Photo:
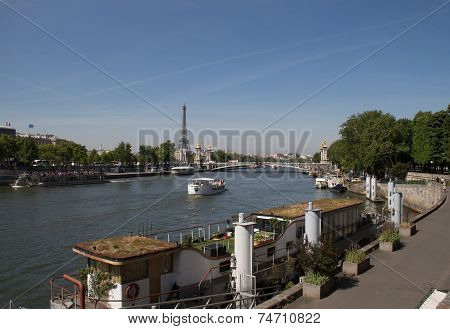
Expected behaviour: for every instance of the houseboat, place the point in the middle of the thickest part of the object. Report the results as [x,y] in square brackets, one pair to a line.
[196,268]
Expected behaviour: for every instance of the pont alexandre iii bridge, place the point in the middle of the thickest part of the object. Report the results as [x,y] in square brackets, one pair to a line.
[301,167]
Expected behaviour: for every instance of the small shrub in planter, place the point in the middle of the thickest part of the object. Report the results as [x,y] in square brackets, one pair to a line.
[318,285]
[407,229]
[355,262]
[319,261]
[389,239]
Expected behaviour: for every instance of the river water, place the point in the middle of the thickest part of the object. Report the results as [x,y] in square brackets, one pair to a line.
[38,226]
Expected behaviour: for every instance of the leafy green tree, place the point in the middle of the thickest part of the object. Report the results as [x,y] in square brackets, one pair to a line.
[93,157]
[316,157]
[336,153]
[49,153]
[318,258]
[421,144]
[27,150]
[8,149]
[167,152]
[123,153]
[99,283]
[368,142]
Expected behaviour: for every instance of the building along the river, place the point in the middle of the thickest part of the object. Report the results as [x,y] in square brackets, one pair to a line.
[149,272]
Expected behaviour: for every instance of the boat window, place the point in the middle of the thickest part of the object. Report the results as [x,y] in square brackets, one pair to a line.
[167,264]
[134,272]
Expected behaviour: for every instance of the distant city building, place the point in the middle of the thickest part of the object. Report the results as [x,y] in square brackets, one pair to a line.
[324,153]
[7,130]
[183,153]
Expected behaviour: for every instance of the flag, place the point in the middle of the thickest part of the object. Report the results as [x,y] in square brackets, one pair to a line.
[30,126]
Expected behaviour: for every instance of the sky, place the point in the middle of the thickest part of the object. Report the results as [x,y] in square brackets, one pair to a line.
[236,64]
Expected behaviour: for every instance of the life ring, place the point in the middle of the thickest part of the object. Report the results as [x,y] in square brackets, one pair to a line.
[132,291]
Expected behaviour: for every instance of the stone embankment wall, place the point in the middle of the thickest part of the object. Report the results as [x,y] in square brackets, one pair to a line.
[419,176]
[8,176]
[418,197]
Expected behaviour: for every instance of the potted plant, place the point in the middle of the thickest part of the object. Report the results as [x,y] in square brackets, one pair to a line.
[389,239]
[319,262]
[355,262]
[407,229]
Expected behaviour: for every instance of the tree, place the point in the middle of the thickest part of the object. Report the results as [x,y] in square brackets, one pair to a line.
[93,157]
[316,157]
[27,150]
[336,153]
[123,154]
[8,148]
[167,152]
[318,258]
[368,142]
[99,283]
[421,144]
[49,153]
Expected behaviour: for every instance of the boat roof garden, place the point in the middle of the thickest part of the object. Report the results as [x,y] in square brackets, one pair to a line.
[122,247]
[296,210]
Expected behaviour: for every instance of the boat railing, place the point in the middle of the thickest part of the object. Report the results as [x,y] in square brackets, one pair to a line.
[195,233]
[65,294]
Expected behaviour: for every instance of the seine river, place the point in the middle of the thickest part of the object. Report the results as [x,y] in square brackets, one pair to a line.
[38,226]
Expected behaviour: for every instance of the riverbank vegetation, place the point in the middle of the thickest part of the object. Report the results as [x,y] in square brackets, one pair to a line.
[377,143]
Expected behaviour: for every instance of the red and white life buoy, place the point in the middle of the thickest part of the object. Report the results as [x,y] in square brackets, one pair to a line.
[132,291]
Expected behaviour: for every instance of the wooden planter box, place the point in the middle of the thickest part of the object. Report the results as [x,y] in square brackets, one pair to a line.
[407,231]
[389,246]
[319,292]
[350,269]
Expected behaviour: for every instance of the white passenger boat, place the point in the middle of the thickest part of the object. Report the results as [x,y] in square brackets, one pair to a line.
[205,186]
[182,170]
[321,182]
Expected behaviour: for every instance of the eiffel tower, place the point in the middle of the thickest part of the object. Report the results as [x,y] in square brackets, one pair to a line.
[184,149]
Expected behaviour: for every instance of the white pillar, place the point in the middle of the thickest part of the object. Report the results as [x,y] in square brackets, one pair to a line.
[368,181]
[373,188]
[243,252]
[313,224]
[397,211]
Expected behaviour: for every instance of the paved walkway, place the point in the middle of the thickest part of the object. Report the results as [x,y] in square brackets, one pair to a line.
[400,279]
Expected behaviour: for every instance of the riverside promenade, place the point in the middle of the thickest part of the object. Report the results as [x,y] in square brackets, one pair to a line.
[400,279]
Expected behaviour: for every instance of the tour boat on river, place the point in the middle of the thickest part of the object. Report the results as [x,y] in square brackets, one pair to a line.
[205,186]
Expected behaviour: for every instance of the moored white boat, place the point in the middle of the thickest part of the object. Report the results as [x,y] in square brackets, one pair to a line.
[22,181]
[205,186]
[182,170]
[321,182]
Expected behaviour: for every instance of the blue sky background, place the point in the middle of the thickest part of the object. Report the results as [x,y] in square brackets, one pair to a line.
[236,64]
